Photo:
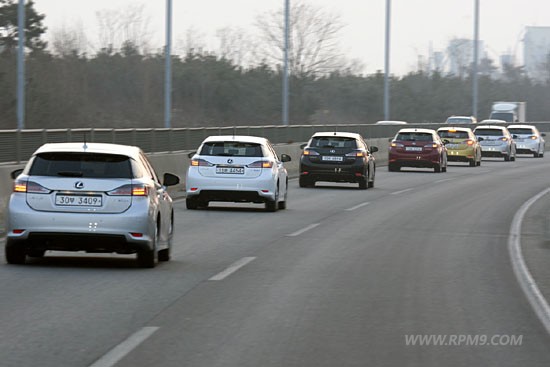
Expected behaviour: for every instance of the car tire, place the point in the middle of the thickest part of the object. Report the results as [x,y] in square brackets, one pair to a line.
[513,158]
[164,254]
[272,205]
[393,168]
[15,254]
[363,184]
[473,162]
[506,158]
[535,155]
[541,155]
[437,168]
[444,169]
[191,203]
[147,258]
[306,182]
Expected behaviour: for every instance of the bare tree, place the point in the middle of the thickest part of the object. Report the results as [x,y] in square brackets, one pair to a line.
[123,26]
[237,46]
[193,43]
[314,33]
[67,40]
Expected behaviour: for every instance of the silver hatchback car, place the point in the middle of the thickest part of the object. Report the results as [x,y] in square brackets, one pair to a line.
[92,197]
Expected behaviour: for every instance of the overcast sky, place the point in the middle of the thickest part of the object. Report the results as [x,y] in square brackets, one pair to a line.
[417,25]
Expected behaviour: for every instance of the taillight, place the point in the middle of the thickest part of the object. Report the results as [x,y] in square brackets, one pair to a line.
[469,142]
[533,137]
[29,187]
[129,190]
[260,164]
[504,138]
[200,162]
[310,152]
[396,145]
[357,154]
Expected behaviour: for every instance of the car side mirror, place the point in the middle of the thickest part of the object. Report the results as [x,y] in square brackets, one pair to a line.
[190,155]
[16,173]
[373,149]
[302,146]
[390,140]
[480,139]
[446,141]
[285,158]
[543,134]
[514,136]
[170,179]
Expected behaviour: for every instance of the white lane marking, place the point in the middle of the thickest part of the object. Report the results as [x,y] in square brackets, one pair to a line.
[305,229]
[124,348]
[444,180]
[523,275]
[357,207]
[401,191]
[232,268]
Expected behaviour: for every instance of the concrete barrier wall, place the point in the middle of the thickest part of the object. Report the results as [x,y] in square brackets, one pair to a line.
[178,162]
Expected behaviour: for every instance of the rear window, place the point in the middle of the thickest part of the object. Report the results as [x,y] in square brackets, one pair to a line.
[92,165]
[414,136]
[446,134]
[489,132]
[333,142]
[459,120]
[232,149]
[521,131]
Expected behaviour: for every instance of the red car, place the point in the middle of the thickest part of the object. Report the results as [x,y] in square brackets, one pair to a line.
[417,148]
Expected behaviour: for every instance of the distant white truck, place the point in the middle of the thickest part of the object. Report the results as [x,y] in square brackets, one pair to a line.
[513,112]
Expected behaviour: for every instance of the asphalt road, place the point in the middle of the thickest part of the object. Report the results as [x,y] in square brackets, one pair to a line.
[343,277]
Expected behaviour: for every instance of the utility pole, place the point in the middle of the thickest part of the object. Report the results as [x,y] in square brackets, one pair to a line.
[21,65]
[168,67]
[285,68]
[476,59]
[387,64]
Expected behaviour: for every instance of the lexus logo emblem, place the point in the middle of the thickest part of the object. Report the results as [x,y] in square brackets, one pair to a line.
[79,185]
[230,161]
[333,151]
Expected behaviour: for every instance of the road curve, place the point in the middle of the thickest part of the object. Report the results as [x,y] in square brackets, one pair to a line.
[342,277]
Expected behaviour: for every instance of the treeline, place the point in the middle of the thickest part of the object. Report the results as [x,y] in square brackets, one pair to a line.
[126,89]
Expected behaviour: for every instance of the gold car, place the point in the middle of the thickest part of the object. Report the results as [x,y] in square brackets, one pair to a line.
[462,145]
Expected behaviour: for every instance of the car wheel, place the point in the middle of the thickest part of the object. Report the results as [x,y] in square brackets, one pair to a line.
[437,168]
[282,204]
[164,254]
[15,254]
[306,182]
[147,258]
[271,205]
[535,155]
[506,158]
[191,203]
[393,167]
[363,184]
[473,162]
[444,169]
[36,253]
[541,155]
[513,158]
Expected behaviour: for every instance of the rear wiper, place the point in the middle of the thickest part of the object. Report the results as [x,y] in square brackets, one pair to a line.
[225,154]
[70,173]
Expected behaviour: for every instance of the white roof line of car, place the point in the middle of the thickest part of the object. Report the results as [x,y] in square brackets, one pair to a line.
[126,150]
[241,138]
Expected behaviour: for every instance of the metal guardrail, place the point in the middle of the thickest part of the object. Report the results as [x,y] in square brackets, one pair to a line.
[17,146]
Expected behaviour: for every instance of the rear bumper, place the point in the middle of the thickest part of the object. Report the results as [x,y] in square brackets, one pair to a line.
[333,172]
[460,155]
[494,151]
[423,160]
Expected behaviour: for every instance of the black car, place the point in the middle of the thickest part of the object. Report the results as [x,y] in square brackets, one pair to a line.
[337,157]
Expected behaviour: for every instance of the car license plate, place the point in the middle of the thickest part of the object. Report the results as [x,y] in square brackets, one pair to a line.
[230,170]
[332,158]
[78,200]
[413,149]
[452,146]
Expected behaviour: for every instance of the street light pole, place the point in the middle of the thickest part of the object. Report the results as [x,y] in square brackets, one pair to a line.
[168,67]
[387,63]
[285,68]
[476,58]
[21,65]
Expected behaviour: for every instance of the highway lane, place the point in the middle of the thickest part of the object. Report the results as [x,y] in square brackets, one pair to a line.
[421,253]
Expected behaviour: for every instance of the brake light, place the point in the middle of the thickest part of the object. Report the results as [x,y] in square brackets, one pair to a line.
[504,139]
[129,190]
[260,164]
[200,162]
[533,137]
[434,145]
[310,152]
[469,142]
[29,187]
[396,145]
[357,154]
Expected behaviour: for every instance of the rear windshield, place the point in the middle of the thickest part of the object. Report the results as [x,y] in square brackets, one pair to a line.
[414,136]
[333,142]
[489,132]
[521,131]
[93,165]
[506,116]
[459,120]
[232,149]
[446,134]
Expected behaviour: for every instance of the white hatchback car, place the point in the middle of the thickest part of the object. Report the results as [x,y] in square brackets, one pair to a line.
[92,197]
[237,169]
[528,139]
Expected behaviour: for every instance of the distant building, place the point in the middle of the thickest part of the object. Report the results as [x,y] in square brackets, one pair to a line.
[536,50]
[460,55]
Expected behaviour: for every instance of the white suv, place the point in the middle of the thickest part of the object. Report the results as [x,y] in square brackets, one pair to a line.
[237,169]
